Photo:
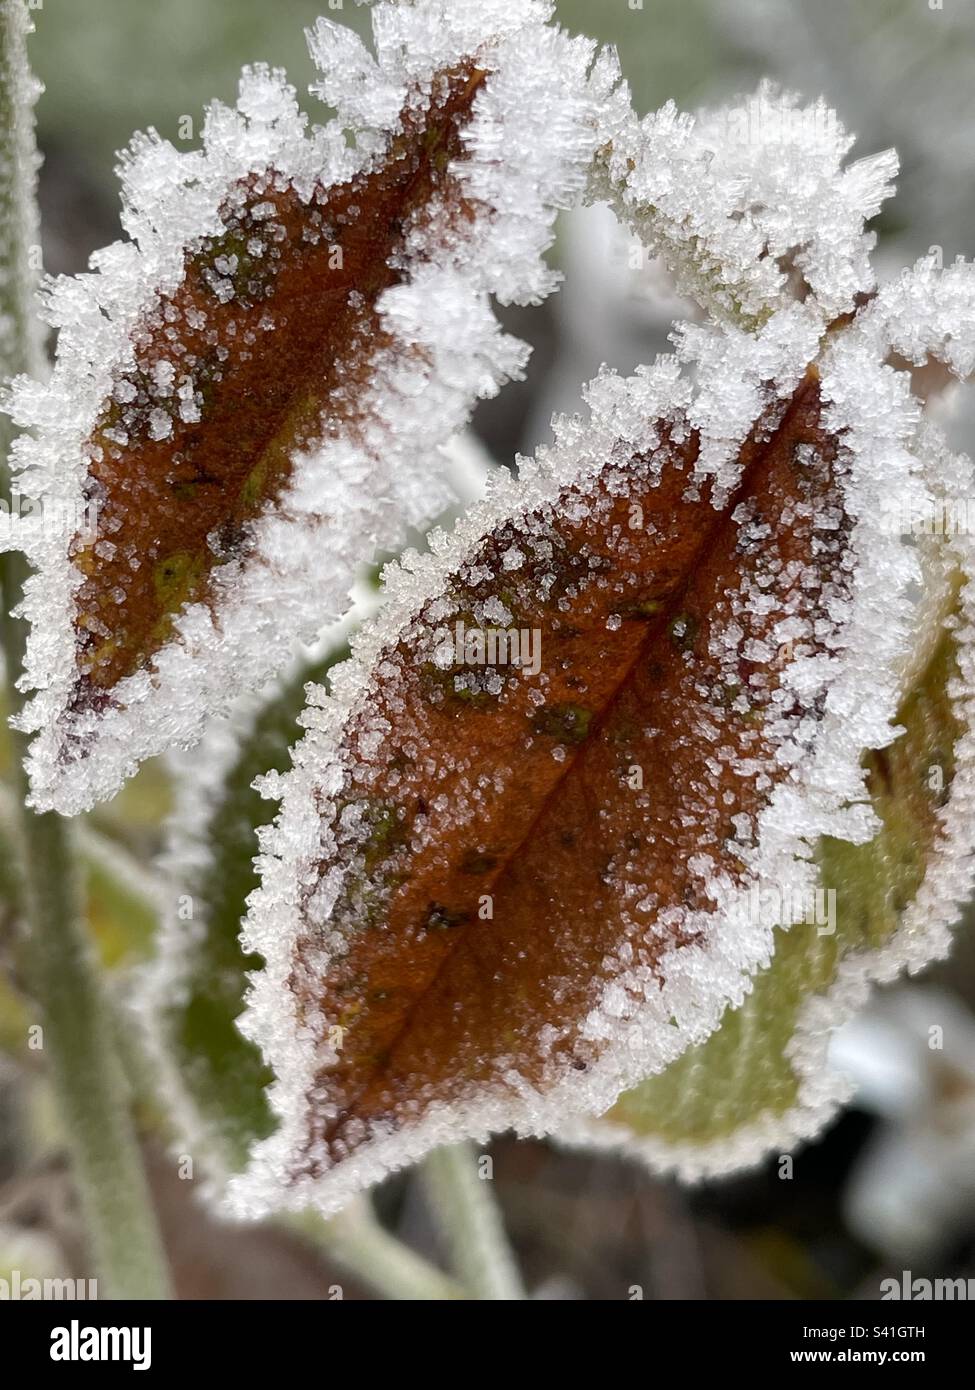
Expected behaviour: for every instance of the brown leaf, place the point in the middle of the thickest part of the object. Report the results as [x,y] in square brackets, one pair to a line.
[276,319]
[251,395]
[506,844]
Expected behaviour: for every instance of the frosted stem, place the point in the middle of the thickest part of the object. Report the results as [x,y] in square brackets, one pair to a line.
[356,1240]
[82,1063]
[471,1224]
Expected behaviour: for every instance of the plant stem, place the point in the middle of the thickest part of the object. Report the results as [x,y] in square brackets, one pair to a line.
[78,1041]
[471,1224]
[91,1088]
[356,1240]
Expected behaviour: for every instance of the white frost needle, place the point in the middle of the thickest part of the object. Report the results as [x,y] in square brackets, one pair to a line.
[749,203]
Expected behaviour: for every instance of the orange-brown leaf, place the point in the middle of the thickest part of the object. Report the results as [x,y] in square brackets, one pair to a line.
[505,845]
[250,396]
[276,321]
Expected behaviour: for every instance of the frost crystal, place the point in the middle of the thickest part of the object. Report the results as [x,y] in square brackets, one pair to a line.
[249,395]
[749,203]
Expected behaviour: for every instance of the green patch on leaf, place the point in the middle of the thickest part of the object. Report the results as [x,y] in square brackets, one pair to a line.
[567,723]
[221,1073]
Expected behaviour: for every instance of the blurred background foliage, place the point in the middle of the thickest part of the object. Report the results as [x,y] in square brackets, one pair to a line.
[891,1183]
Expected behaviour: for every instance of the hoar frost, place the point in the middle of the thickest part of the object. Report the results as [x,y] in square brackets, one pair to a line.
[130,653]
[837,672]
[768,700]
[306,924]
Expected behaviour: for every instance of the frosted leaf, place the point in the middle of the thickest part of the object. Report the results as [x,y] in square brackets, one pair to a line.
[249,396]
[766,1079]
[498,893]
[750,205]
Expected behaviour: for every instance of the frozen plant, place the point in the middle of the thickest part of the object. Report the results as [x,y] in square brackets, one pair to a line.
[271,362]
[564,897]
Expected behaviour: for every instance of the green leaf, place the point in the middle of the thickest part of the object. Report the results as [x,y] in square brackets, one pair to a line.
[214,1078]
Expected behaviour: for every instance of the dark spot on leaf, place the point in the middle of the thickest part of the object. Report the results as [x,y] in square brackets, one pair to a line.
[567,723]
